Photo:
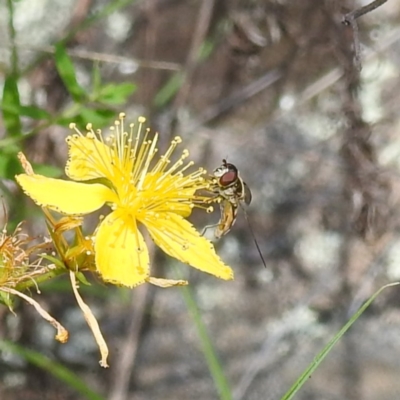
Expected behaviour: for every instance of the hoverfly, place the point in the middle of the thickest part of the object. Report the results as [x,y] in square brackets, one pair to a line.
[230,191]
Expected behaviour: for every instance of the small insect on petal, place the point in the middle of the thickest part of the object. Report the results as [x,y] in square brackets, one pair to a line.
[230,191]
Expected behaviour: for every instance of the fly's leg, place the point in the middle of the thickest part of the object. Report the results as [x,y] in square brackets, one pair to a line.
[208,227]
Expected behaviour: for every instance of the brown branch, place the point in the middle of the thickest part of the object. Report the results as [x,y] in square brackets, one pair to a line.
[236,99]
[359,12]
[203,23]
[125,363]
[349,19]
[199,35]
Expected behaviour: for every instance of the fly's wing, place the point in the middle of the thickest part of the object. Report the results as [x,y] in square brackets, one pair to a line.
[247,194]
[242,191]
[228,218]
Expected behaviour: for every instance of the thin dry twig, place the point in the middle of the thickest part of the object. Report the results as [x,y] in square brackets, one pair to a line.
[238,98]
[103,57]
[62,333]
[359,12]
[203,23]
[91,321]
[126,361]
[350,20]
[26,165]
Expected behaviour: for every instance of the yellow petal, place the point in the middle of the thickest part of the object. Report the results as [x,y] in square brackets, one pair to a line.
[122,257]
[178,238]
[88,158]
[66,197]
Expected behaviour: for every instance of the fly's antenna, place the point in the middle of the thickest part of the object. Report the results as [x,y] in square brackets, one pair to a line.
[253,235]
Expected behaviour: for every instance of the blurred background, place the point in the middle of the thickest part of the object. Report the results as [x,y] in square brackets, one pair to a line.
[275,87]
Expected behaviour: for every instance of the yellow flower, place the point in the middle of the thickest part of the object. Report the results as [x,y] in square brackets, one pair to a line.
[121,171]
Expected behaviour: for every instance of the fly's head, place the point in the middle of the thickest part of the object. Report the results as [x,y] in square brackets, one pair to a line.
[229,185]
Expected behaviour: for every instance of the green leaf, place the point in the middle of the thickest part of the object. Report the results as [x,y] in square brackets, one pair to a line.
[52,367]
[115,94]
[67,73]
[169,90]
[34,112]
[96,77]
[50,171]
[82,278]
[57,262]
[6,299]
[206,50]
[98,117]
[325,351]
[11,100]
[9,165]
[26,111]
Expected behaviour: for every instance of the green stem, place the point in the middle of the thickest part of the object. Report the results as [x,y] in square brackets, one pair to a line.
[21,287]
[11,29]
[207,347]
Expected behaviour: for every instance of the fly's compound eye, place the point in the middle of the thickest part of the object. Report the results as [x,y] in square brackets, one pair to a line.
[228,179]
[230,176]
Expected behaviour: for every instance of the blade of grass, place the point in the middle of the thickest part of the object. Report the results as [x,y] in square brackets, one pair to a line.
[57,370]
[10,96]
[12,33]
[207,347]
[169,90]
[325,351]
